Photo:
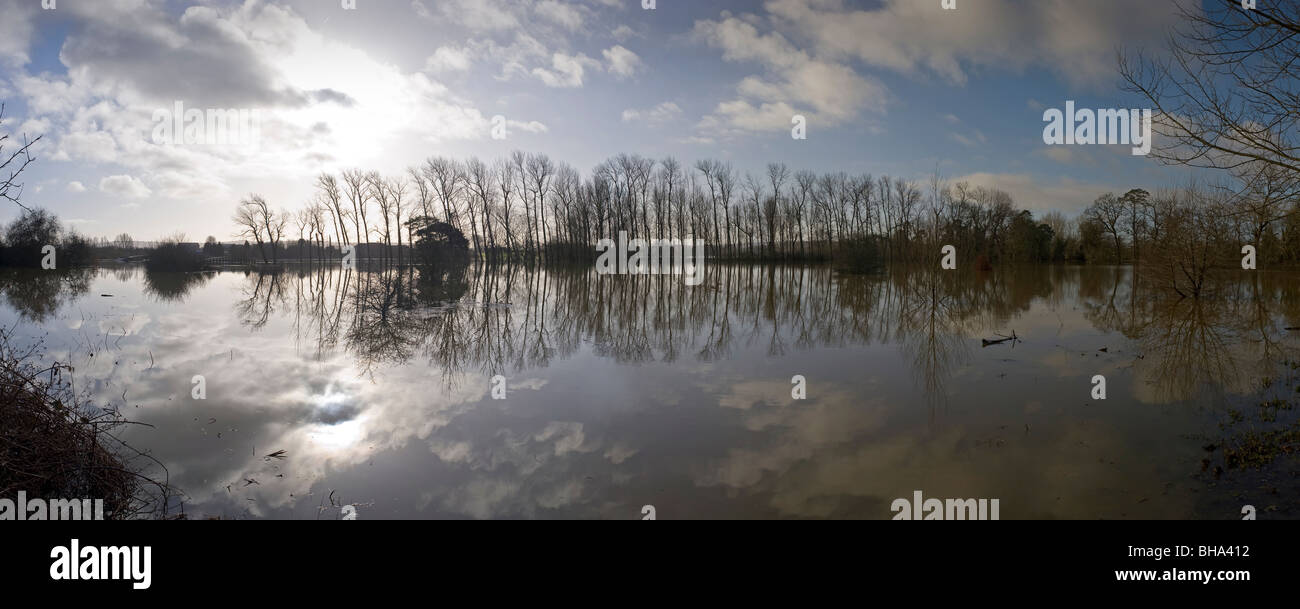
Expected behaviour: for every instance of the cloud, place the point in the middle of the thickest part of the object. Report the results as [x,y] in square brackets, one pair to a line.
[1065,155]
[793,82]
[564,15]
[212,59]
[320,99]
[1075,40]
[661,113]
[566,70]
[974,140]
[125,186]
[16,31]
[529,127]
[448,59]
[623,33]
[479,15]
[334,97]
[515,58]
[76,187]
[421,9]
[1065,195]
[622,62]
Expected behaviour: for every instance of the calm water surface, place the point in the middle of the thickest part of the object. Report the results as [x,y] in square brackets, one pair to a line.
[632,391]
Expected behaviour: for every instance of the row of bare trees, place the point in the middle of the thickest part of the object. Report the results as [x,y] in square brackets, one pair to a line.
[527,207]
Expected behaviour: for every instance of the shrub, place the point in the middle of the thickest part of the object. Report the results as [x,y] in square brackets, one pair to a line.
[173,255]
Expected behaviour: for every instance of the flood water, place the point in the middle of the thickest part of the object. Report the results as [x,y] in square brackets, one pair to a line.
[627,391]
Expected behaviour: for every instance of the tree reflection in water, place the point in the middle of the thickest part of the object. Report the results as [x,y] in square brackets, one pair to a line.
[469,322]
[505,320]
[173,286]
[38,294]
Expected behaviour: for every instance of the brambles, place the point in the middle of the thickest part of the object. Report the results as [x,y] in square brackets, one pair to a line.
[55,445]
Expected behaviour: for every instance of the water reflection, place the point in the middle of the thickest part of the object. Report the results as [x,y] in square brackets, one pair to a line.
[1187,347]
[495,320]
[627,390]
[168,286]
[38,294]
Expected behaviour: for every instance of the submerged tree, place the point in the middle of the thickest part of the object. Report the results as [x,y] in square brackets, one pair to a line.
[438,242]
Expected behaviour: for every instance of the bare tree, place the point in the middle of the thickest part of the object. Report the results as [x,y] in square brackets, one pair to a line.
[1226,94]
[1108,210]
[377,191]
[482,184]
[256,221]
[776,175]
[13,165]
[541,170]
[1267,199]
[397,188]
[804,181]
[329,195]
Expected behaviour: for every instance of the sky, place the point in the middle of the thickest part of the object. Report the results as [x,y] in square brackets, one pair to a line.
[897,87]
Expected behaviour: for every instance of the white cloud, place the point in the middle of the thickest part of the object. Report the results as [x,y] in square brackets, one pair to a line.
[564,15]
[622,62]
[566,70]
[623,33]
[1066,195]
[794,82]
[530,126]
[480,15]
[514,58]
[16,29]
[661,113]
[322,102]
[76,187]
[1076,40]
[125,186]
[973,140]
[1061,154]
[421,10]
[448,59]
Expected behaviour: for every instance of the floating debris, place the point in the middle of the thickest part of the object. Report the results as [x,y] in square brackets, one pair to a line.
[1013,338]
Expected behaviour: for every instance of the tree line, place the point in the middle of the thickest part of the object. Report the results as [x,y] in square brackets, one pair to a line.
[527,207]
